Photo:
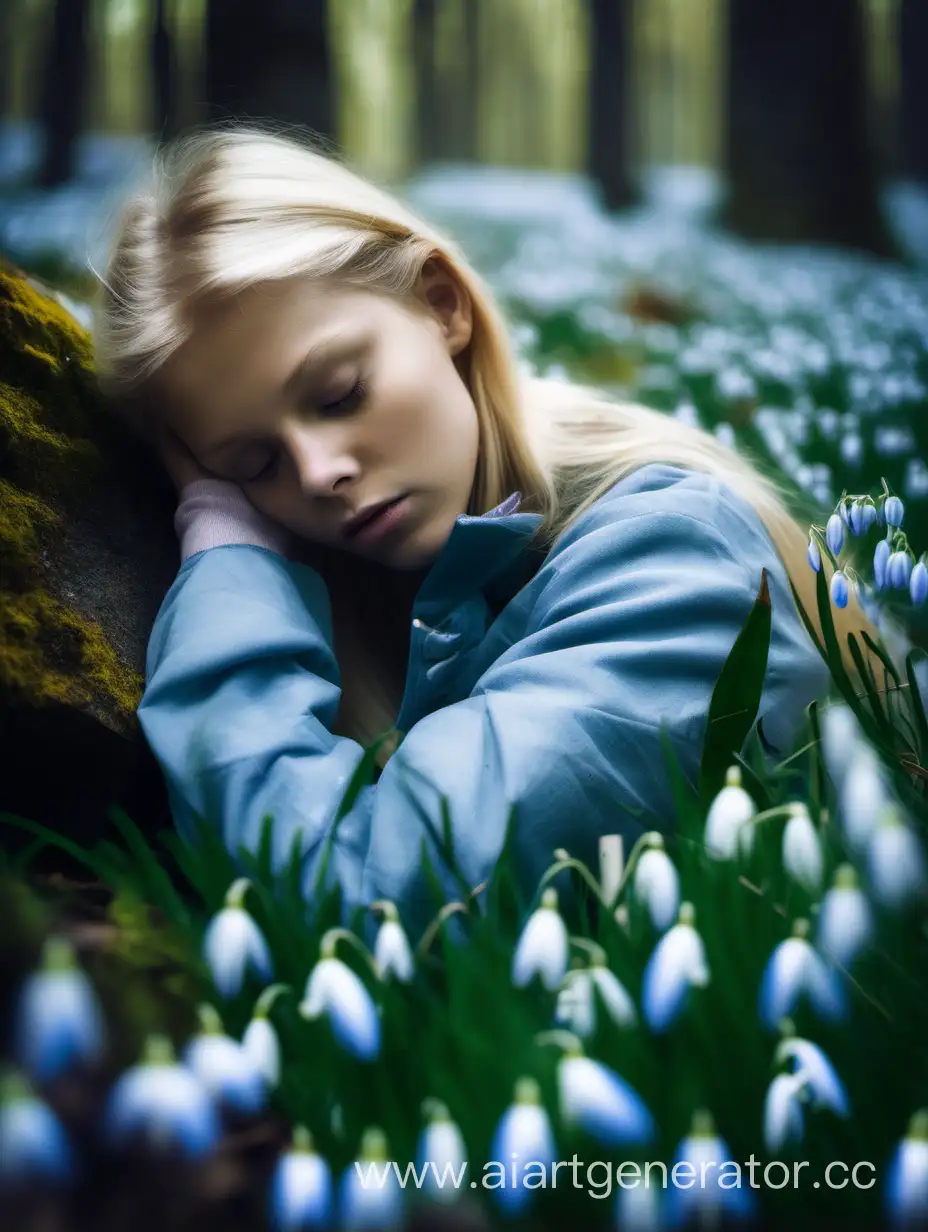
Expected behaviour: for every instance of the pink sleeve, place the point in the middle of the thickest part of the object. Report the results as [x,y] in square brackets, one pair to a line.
[214,512]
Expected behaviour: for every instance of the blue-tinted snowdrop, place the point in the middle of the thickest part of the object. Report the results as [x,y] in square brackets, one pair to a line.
[59,1021]
[899,570]
[906,1190]
[824,1089]
[834,534]
[918,583]
[33,1142]
[392,952]
[369,1192]
[441,1154]
[839,588]
[814,554]
[656,882]
[523,1137]
[893,511]
[796,971]
[577,1004]
[728,831]
[845,923]
[802,849]
[895,860]
[638,1202]
[705,1151]
[162,1102]
[784,1120]
[881,555]
[863,794]
[595,1099]
[233,944]
[543,948]
[677,964]
[260,1040]
[224,1067]
[841,734]
[301,1191]
[335,991]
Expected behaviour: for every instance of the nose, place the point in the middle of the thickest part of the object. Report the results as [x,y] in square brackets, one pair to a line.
[322,458]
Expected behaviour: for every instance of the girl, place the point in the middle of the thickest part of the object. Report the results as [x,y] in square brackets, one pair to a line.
[384,526]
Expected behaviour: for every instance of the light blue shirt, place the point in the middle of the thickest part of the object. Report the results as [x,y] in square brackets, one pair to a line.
[535,681]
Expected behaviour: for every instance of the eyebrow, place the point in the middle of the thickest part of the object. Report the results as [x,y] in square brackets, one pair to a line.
[322,353]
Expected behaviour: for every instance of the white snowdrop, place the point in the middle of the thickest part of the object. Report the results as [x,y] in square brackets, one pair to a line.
[656,883]
[727,833]
[543,948]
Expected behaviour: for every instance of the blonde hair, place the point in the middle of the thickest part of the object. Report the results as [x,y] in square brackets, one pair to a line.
[231,206]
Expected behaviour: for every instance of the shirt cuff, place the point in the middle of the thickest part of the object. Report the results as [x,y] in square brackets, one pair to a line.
[214,512]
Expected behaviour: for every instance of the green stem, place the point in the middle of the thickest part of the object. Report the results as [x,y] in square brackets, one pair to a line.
[330,940]
[268,997]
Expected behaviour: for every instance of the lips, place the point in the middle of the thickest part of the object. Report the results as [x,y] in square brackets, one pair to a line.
[359,523]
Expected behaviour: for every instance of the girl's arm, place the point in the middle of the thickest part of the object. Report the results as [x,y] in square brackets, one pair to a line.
[634,615]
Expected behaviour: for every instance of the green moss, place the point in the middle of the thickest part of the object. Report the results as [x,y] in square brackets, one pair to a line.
[54,432]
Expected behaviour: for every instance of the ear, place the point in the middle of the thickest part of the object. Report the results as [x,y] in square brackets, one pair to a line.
[448,302]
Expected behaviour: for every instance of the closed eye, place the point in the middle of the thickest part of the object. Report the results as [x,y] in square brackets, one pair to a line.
[353,398]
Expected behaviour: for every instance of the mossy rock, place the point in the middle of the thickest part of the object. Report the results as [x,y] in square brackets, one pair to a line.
[87,554]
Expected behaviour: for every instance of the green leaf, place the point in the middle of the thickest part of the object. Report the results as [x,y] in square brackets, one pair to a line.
[918,709]
[736,696]
[151,877]
[96,860]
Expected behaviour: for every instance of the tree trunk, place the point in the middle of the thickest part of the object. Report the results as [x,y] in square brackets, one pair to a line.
[609,95]
[164,75]
[64,90]
[912,152]
[800,159]
[428,130]
[270,60]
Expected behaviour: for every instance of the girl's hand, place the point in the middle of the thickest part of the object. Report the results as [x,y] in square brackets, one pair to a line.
[179,462]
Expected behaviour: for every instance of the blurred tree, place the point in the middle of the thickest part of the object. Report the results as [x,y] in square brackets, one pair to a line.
[912,162]
[270,59]
[800,160]
[163,74]
[428,130]
[63,90]
[609,99]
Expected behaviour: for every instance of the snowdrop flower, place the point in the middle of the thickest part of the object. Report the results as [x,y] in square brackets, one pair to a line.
[881,557]
[677,963]
[638,1206]
[862,796]
[918,584]
[783,1116]
[392,953]
[370,1196]
[839,589]
[845,920]
[656,883]
[895,861]
[543,947]
[301,1187]
[814,553]
[441,1155]
[802,849]
[727,830]
[260,1040]
[906,1193]
[899,570]
[834,534]
[224,1067]
[334,990]
[576,1004]
[840,738]
[233,943]
[522,1138]
[33,1143]
[824,1088]
[701,1204]
[893,511]
[794,970]
[164,1101]
[598,1101]
[59,1022]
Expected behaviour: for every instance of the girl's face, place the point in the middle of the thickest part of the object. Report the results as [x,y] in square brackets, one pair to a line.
[321,401]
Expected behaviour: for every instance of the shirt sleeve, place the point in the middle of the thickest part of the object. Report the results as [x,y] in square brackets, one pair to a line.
[633,621]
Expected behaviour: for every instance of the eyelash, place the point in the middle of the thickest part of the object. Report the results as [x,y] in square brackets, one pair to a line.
[354,396]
